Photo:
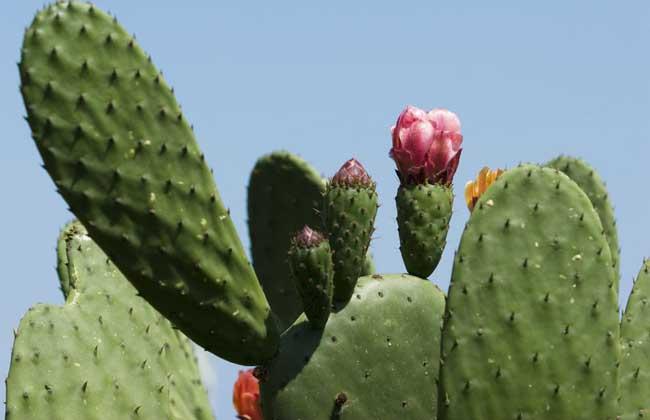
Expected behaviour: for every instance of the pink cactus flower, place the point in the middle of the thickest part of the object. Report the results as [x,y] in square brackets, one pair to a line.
[246,396]
[426,146]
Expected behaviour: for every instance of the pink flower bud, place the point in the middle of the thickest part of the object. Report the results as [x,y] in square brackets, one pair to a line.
[426,146]
[307,237]
[246,396]
[352,174]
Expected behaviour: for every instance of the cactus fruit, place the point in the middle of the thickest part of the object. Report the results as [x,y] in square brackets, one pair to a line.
[105,354]
[531,324]
[349,210]
[122,155]
[634,373]
[246,396]
[423,214]
[426,149]
[376,358]
[284,193]
[588,179]
[310,259]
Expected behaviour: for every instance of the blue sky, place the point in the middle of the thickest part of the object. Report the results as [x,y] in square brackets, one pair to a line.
[326,80]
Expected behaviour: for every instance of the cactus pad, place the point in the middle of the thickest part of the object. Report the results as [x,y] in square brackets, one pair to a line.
[634,374]
[106,354]
[284,193]
[531,327]
[377,357]
[588,179]
[123,156]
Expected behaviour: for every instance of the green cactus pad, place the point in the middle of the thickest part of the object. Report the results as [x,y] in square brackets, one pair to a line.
[423,214]
[123,156]
[284,193]
[634,373]
[312,271]
[378,355]
[531,327]
[106,354]
[368,266]
[349,218]
[588,179]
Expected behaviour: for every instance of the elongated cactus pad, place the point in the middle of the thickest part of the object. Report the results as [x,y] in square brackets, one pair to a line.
[423,214]
[123,156]
[531,327]
[634,374]
[588,179]
[284,193]
[376,359]
[105,354]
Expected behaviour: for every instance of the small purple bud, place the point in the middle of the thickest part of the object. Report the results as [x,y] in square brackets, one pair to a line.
[308,238]
[352,174]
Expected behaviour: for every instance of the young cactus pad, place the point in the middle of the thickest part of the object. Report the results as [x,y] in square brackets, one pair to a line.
[377,357]
[105,354]
[123,156]
[591,183]
[284,193]
[634,374]
[531,326]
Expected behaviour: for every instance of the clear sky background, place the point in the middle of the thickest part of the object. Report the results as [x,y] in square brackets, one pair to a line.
[529,80]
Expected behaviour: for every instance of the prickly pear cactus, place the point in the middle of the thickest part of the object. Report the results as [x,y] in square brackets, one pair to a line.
[588,179]
[377,357]
[121,153]
[634,375]
[105,354]
[284,193]
[531,327]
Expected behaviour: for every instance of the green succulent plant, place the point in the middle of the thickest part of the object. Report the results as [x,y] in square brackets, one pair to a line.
[529,328]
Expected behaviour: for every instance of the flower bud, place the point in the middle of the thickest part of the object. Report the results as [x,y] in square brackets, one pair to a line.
[426,146]
[246,396]
[352,174]
[474,189]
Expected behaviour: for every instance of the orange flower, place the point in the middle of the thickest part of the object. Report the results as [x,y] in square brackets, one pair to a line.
[474,189]
[246,396]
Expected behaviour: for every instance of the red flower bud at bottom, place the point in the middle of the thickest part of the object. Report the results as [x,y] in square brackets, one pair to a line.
[246,396]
